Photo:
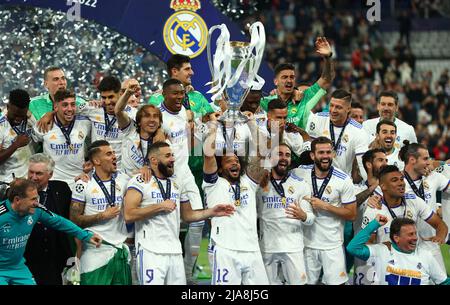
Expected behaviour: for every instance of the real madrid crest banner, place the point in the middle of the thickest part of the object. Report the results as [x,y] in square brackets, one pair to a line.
[163,27]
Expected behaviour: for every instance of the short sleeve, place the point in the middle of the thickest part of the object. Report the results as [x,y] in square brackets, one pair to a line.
[362,143]
[37,135]
[311,126]
[368,216]
[79,191]
[137,183]
[348,192]
[424,211]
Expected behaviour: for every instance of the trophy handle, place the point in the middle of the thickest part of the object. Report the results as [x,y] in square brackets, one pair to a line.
[208,49]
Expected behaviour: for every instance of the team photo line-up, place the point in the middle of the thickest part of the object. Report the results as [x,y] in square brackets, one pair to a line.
[123,189]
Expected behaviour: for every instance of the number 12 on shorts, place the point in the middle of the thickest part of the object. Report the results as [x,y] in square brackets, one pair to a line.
[221,275]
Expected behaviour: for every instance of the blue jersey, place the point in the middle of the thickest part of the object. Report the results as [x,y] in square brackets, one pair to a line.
[16,229]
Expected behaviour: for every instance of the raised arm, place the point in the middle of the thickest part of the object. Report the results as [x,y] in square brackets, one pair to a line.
[209,150]
[122,117]
[323,49]
[357,246]
[258,151]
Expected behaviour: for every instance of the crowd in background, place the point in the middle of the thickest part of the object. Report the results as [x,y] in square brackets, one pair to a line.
[364,65]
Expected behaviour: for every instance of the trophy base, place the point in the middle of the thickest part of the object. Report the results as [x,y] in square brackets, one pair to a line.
[231,117]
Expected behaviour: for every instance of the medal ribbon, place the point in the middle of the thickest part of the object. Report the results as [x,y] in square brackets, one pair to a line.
[279,186]
[319,193]
[418,191]
[108,124]
[336,146]
[21,128]
[237,193]
[110,198]
[165,195]
[65,130]
[391,211]
[229,141]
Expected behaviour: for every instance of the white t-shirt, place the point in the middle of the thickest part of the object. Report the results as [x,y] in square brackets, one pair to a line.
[115,136]
[114,230]
[404,131]
[277,232]
[293,139]
[159,233]
[327,231]
[431,184]
[176,128]
[68,162]
[415,209]
[238,231]
[17,163]
[397,268]
[394,159]
[354,141]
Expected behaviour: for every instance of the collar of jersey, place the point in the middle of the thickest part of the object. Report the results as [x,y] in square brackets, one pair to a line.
[386,204]
[165,108]
[400,250]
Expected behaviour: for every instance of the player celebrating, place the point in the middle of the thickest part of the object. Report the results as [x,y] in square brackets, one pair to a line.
[65,142]
[97,206]
[155,208]
[283,212]
[386,136]
[333,202]
[348,137]
[399,262]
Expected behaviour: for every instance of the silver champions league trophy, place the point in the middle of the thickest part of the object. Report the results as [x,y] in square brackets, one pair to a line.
[234,67]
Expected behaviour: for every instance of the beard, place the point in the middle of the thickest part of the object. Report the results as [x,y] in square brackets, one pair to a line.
[281,171]
[165,170]
[376,172]
[322,167]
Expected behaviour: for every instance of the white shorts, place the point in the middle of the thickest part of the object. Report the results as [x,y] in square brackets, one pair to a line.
[231,267]
[333,263]
[286,268]
[365,272]
[159,269]
[191,189]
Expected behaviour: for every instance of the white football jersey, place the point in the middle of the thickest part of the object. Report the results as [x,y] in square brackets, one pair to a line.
[398,268]
[431,184]
[159,233]
[277,232]
[293,139]
[133,150]
[238,231]
[68,160]
[404,131]
[176,128]
[327,231]
[114,136]
[354,141]
[413,208]
[17,163]
[114,230]
[445,170]
[394,159]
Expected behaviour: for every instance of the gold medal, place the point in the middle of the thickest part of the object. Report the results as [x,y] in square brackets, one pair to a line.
[283,200]
[237,202]
[71,147]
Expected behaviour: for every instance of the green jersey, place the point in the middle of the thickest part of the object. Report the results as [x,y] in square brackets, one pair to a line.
[298,113]
[197,102]
[16,229]
[42,104]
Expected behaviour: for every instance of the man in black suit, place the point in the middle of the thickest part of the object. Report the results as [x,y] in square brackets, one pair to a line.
[47,250]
